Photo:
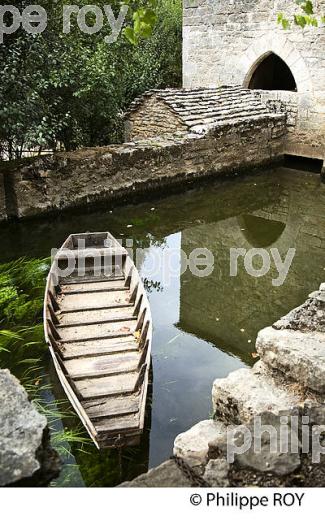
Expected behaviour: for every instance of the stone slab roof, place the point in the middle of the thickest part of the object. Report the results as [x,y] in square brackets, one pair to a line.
[204,108]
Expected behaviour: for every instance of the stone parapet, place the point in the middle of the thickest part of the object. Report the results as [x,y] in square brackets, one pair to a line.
[66,180]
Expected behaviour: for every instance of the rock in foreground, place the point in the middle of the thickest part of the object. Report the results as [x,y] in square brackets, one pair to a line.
[216,473]
[299,355]
[264,445]
[24,450]
[310,316]
[165,475]
[246,393]
[193,445]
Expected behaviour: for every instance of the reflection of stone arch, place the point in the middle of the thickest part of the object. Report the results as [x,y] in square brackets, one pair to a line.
[284,236]
[282,47]
[260,232]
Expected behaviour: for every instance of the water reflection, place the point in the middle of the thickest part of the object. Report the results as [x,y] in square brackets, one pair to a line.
[203,327]
[260,232]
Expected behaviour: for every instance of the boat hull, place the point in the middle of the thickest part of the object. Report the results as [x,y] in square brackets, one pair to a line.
[98,327]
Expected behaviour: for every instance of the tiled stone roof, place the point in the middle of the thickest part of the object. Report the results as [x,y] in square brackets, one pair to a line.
[203,108]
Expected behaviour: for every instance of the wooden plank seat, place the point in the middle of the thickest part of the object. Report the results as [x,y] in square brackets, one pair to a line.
[91,300]
[100,347]
[88,332]
[107,386]
[90,252]
[94,286]
[91,277]
[120,424]
[105,365]
[111,407]
[95,316]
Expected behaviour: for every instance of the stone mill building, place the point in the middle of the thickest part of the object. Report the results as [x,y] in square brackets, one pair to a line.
[238,60]
[239,42]
[252,92]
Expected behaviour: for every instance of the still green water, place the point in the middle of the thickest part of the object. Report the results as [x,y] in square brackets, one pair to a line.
[206,327]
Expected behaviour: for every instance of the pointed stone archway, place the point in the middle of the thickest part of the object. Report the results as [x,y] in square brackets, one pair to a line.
[279,45]
[272,73]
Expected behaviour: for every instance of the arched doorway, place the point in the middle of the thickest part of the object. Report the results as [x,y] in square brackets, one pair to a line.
[272,73]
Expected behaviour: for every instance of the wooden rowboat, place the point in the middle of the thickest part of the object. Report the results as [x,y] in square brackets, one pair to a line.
[98,326]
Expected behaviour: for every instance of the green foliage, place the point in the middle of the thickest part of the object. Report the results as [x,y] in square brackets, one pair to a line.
[21,291]
[306,6]
[23,349]
[70,90]
[144,21]
[7,296]
[21,302]
[22,309]
[304,18]
[283,21]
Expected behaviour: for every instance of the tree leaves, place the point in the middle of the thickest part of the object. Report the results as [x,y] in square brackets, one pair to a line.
[306,6]
[283,21]
[144,20]
[305,18]
[69,90]
[130,35]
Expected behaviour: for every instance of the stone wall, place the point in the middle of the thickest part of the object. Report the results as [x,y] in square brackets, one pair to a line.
[65,180]
[152,118]
[306,132]
[224,42]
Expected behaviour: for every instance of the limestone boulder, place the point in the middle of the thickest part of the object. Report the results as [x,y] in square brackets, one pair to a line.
[264,445]
[310,316]
[216,473]
[24,450]
[168,474]
[300,355]
[247,392]
[193,445]
[315,412]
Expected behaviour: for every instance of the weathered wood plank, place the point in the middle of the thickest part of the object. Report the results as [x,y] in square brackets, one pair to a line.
[102,365]
[118,319]
[100,330]
[111,407]
[92,300]
[105,307]
[118,424]
[72,318]
[98,347]
[107,285]
[106,386]
[114,273]
[91,252]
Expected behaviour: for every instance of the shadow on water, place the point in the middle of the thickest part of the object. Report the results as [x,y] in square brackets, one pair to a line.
[204,327]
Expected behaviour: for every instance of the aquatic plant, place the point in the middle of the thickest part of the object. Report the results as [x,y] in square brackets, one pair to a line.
[24,352]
